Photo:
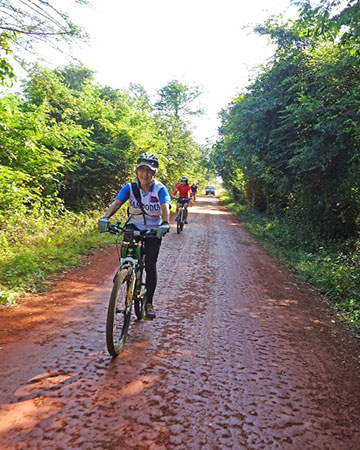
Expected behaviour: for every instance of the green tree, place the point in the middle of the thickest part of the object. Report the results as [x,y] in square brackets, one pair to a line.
[177,100]
[182,155]
[77,141]
[139,97]
[294,133]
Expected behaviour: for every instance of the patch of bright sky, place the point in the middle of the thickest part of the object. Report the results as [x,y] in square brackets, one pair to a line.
[198,42]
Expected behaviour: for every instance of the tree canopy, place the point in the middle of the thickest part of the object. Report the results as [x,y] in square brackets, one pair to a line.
[71,142]
[177,99]
[289,144]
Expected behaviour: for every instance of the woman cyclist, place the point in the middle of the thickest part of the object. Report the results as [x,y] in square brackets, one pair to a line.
[184,191]
[148,209]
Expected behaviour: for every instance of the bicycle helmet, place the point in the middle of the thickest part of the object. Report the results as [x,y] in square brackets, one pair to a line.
[149,160]
[184,179]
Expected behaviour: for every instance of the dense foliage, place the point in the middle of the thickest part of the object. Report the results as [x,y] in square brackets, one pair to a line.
[290,144]
[68,144]
[70,141]
[289,149]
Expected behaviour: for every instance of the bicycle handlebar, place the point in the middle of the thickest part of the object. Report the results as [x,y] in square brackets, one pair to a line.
[117,229]
[182,200]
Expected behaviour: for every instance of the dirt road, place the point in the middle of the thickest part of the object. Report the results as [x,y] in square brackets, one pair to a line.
[240,356]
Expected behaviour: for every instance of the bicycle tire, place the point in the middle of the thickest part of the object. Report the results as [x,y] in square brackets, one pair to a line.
[139,298]
[118,314]
[179,225]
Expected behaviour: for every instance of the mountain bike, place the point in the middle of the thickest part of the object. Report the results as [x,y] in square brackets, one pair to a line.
[180,215]
[128,287]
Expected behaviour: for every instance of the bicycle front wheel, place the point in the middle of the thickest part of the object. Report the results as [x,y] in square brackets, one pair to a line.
[179,225]
[119,313]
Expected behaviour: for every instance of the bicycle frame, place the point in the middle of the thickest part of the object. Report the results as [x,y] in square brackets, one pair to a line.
[127,288]
[180,215]
[130,264]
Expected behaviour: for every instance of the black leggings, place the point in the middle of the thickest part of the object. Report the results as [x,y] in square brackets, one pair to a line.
[152,248]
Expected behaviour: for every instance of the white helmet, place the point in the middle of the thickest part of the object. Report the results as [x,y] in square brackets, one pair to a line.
[148,159]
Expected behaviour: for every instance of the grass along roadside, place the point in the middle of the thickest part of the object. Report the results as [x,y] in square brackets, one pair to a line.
[32,253]
[333,272]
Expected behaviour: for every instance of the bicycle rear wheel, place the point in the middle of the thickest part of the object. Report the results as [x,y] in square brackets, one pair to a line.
[139,298]
[119,313]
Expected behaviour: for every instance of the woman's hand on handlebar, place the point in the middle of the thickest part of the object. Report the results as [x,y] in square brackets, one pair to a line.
[163,229]
[103,224]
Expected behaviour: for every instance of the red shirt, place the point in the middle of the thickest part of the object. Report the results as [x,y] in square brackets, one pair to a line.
[183,190]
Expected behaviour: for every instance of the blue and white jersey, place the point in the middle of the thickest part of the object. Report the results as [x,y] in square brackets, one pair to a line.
[151,201]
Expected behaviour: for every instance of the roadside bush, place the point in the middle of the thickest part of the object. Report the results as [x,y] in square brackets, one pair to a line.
[39,247]
[334,270]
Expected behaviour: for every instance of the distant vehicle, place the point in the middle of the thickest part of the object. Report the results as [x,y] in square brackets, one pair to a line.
[210,190]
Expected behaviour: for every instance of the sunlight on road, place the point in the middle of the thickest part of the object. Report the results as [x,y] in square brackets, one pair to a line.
[208,211]
[27,414]
[136,386]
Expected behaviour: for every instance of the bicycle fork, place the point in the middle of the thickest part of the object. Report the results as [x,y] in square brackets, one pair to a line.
[180,215]
[129,263]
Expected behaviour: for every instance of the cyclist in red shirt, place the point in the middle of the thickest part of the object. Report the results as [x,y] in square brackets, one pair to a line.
[184,190]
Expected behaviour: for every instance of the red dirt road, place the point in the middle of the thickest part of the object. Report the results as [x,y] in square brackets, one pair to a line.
[240,356]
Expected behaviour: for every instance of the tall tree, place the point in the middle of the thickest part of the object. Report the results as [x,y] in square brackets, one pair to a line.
[177,100]
[294,134]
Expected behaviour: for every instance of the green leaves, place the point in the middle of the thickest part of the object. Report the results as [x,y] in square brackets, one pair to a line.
[78,141]
[7,74]
[177,99]
[294,134]
[70,144]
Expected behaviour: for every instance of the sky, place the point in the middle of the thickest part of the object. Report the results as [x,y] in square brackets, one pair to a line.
[206,43]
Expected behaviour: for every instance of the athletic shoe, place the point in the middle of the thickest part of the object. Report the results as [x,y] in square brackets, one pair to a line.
[149,312]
